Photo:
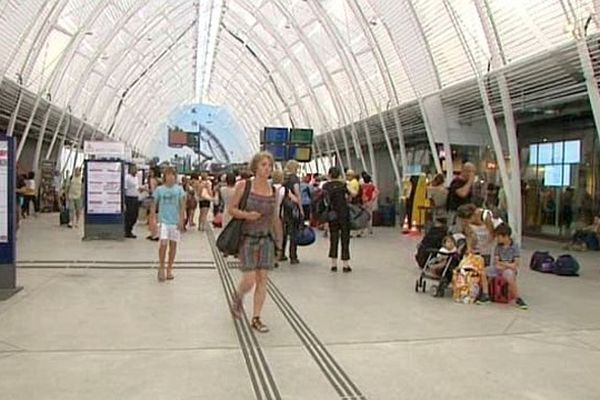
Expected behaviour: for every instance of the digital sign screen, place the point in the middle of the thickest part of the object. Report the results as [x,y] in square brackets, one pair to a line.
[301,136]
[279,151]
[275,135]
[177,138]
[300,153]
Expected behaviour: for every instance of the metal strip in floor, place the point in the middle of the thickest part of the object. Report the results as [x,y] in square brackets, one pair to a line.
[261,377]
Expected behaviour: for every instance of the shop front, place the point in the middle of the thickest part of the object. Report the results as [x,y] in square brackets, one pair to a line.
[560,177]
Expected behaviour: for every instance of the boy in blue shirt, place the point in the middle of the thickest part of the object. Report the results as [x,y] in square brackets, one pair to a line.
[170,199]
[507,257]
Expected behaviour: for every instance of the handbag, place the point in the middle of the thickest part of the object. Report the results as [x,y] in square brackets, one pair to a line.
[218,220]
[229,239]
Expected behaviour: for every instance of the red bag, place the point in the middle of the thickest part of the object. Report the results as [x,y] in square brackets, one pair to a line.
[499,290]
[218,220]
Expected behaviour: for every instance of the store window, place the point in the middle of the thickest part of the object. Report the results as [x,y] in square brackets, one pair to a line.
[558,192]
[555,161]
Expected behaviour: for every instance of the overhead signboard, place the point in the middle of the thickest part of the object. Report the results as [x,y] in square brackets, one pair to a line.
[301,136]
[275,135]
[279,151]
[99,150]
[178,138]
[299,153]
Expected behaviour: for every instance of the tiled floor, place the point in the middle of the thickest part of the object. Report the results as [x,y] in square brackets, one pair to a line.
[109,330]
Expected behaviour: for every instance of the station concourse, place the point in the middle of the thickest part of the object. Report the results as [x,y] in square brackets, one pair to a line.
[92,323]
[467,116]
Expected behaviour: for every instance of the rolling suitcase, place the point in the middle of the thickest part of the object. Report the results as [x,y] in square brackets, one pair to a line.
[64,216]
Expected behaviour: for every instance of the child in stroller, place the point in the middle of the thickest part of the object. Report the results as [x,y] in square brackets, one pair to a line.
[440,264]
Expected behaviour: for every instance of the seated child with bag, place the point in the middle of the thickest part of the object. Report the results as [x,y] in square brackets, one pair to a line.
[506,263]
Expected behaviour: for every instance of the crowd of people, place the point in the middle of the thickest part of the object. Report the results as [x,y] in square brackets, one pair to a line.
[276,204]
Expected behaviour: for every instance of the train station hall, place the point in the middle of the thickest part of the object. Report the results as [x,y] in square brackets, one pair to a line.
[299,199]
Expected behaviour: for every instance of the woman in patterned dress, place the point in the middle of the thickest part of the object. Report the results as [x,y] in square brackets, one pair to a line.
[261,236]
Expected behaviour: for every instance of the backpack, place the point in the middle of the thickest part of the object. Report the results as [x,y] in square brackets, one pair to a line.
[359,217]
[289,211]
[321,207]
[499,290]
[542,261]
[566,265]
[466,279]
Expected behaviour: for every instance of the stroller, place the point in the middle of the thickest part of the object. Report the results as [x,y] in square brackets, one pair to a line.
[439,266]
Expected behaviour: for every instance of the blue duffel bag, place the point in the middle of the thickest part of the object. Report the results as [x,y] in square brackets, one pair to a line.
[305,236]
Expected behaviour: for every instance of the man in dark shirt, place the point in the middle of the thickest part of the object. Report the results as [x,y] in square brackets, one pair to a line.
[461,190]
[339,228]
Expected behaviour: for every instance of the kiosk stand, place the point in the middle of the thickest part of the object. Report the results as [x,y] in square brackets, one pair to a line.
[104,200]
[8,219]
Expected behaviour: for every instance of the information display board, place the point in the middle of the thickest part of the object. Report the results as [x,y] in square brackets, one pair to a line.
[279,151]
[177,138]
[104,187]
[275,135]
[4,191]
[288,144]
[300,153]
[301,136]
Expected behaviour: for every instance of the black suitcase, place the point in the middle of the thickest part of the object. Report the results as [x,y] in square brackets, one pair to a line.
[64,216]
[377,218]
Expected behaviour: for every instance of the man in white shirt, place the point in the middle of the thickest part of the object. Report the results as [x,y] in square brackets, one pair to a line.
[132,202]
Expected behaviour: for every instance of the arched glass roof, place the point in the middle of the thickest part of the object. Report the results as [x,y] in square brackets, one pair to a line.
[124,65]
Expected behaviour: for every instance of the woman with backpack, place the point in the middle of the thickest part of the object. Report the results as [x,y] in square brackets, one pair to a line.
[291,211]
[336,194]
[306,194]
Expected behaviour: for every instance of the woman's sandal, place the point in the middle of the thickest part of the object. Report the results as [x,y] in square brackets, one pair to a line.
[236,306]
[259,326]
